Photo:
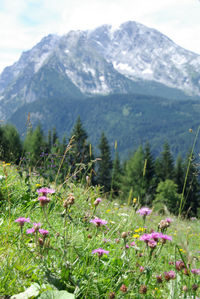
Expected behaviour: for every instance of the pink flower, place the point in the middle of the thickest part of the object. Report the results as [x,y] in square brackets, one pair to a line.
[98,221]
[97,201]
[169,220]
[144,211]
[43,232]
[22,220]
[132,243]
[155,236]
[169,275]
[45,191]
[30,230]
[146,238]
[100,251]
[43,200]
[195,271]
[165,237]
[152,243]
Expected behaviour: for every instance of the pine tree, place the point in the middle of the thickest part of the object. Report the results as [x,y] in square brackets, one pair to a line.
[10,143]
[165,164]
[116,175]
[133,179]
[104,171]
[79,156]
[191,196]
[149,174]
[179,174]
[35,144]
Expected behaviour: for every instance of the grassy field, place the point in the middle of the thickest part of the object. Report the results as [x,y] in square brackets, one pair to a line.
[75,243]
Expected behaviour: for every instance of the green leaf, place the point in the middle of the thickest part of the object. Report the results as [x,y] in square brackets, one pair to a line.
[56,295]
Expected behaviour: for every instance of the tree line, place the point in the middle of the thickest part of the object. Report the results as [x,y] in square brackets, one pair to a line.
[161,181]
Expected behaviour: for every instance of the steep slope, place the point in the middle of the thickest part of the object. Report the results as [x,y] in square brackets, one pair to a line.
[130,59]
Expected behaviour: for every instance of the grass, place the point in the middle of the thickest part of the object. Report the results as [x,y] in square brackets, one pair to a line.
[64,259]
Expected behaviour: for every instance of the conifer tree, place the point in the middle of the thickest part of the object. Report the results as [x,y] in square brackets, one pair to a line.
[35,144]
[133,178]
[179,174]
[165,164]
[149,174]
[80,151]
[191,196]
[104,172]
[116,175]
[10,143]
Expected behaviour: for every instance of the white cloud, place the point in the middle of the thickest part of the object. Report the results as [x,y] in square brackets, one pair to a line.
[25,22]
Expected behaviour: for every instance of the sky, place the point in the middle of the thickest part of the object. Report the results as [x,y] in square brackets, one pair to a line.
[25,22]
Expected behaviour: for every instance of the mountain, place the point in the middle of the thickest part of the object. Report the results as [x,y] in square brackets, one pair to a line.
[82,72]
[130,59]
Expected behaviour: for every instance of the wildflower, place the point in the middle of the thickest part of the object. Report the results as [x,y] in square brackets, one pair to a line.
[152,244]
[185,288]
[165,238]
[100,251]
[40,241]
[30,230]
[195,271]
[169,275]
[195,287]
[144,211]
[43,200]
[134,200]
[98,222]
[143,289]
[146,238]
[155,236]
[69,201]
[136,236]
[112,295]
[179,265]
[159,278]
[124,235]
[36,225]
[43,232]
[132,243]
[117,241]
[97,201]
[123,288]
[127,246]
[45,191]
[164,224]
[22,220]
[141,269]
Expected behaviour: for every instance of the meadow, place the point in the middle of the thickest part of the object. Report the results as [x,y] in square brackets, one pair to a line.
[70,241]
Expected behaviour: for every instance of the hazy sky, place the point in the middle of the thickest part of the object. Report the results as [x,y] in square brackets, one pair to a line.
[25,22]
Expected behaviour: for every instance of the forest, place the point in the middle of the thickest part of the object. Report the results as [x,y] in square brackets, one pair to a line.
[162,181]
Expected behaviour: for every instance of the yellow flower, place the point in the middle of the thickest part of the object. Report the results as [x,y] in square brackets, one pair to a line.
[136,236]
[37,185]
[107,211]
[134,200]
[7,164]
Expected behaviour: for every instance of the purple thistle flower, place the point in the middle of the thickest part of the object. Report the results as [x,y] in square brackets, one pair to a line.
[169,220]
[165,237]
[155,236]
[30,230]
[100,251]
[132,243]
[195,271]
[144,211]
[43,232]
[43,200]
[45,191]
[97,201]
[22,220]
[98,222]
[152,243]
[146,238]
